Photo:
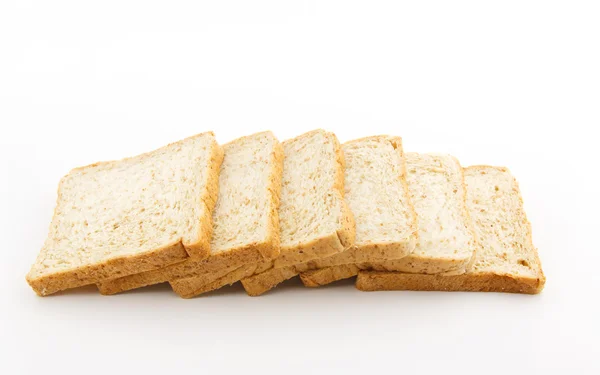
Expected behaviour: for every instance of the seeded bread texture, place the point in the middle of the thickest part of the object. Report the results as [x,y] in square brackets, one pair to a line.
[377,194]
[505,260]
[133,215]
[246,224]
[446,236]
[315,220]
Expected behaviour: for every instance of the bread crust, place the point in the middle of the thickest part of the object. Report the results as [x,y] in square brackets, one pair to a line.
[56,282]
[483,282]
[265,281]
[141,262]
[324,276]
[232,258]
[201,248]
[191,287]
[184,269]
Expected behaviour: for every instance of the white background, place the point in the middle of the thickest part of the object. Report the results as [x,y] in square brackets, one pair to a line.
[513,83]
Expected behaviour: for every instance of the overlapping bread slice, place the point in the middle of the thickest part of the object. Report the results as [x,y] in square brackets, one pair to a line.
[133,215]
[246,225]
[315,221]
[446,239]
[505,260]
[376,192]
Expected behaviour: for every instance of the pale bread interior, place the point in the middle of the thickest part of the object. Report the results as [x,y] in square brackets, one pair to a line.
[243,213]
[245,218]
[132,206]
[446,238]
[310,208]
[501,226]
[375,192]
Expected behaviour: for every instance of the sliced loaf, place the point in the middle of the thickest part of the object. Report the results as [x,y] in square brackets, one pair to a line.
[505,260]
[315,220]
[446,238]
[377,193]
[385,228]
[246,224]
[133,215]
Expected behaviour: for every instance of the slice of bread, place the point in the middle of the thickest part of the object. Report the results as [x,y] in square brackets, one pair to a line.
[133,215]
[446,236]
[377,193]
[505,260]
[245,219]
[315,220]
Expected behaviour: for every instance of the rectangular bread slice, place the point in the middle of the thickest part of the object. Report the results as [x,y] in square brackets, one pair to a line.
[133,215]
[377,194]
[446,236]
[315,220]
[505,260]
[245,219]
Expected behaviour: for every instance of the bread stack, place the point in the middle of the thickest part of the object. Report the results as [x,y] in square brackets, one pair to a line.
[201,217]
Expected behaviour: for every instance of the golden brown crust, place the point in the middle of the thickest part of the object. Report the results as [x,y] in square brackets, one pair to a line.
[201,248]
[188,268]
[142,262]
[484,282]
[263,282]
[192,287]
[56,282]
[414,226]
[250,253]
[273,251]
[324,276]
[347,233]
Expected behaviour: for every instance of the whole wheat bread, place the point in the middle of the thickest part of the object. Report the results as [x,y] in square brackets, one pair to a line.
[121,217]
[376,191]
[315,220]
[245,219]
[505,260]
[446,237]
[377,194]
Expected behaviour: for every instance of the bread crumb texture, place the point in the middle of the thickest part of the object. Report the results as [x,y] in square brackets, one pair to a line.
[245,220]
[311,202]
[245,208]
[374,191]
[502,228]
[446,239]
[121,208]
